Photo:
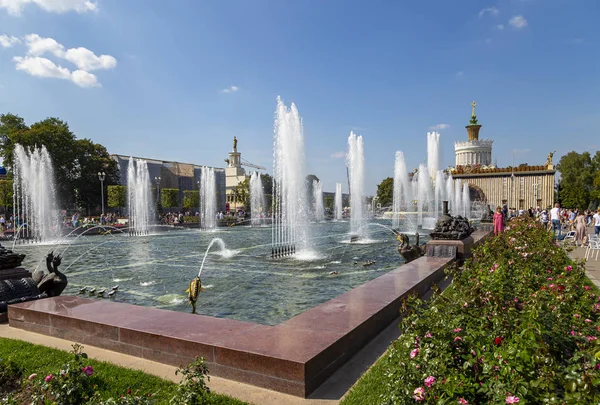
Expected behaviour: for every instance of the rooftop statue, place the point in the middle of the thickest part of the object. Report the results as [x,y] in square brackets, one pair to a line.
[234,144]
[549,161]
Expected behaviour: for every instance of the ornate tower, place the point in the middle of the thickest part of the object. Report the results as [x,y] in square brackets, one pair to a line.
[474,151]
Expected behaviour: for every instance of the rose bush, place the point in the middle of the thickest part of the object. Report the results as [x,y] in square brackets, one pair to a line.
[519,324]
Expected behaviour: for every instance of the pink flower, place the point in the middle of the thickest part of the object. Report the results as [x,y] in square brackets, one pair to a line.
[32,376]
[429,381]
[462,401]
[551,286]
[457,330]
[419,394]
[512,399]
[549,278]
[587,287]
[591,338]
[414,353]
[88,370]
[572,333]
[428,335]
[588,320]
[577,316]
[457,338]
[568,268]
[48,377]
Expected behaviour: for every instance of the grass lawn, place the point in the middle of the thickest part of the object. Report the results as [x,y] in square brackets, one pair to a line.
[112,381]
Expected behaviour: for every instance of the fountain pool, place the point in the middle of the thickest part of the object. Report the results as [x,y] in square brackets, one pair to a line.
[242,282]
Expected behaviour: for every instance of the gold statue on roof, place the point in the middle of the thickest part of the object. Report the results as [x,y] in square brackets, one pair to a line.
[473,104]
[549,161]
[234,143]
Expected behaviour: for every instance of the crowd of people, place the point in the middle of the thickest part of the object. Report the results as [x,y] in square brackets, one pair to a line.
[558,220]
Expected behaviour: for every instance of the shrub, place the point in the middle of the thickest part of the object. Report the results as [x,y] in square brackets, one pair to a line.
[518,324]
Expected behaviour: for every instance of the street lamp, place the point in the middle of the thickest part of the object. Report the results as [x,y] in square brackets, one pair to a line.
[157,180]
[101,177]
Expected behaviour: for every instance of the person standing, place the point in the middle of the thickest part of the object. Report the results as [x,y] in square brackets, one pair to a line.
[555,219]
[580,228]
[596,219]
[498,221]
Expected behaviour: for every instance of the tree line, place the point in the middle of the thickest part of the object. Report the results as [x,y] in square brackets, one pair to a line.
[76,161]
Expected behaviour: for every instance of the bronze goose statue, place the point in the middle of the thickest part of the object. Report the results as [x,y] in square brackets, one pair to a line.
[54,282]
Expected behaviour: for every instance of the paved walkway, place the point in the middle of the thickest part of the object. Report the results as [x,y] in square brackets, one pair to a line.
[592,266]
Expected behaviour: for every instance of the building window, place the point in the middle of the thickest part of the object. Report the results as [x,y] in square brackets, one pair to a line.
[522,187]
[521,204]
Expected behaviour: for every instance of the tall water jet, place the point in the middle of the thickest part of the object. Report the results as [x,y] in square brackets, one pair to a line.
[318,197]
[402,189]
[438,194]
[356,166]
[138,197]
[257,199]
[450,193]
[208,198]
[338,208]
[34,195]
[424,200]
[457,197]
[466,201]
[433,153]
[290,212]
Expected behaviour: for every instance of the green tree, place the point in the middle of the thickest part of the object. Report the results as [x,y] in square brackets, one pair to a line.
[6,194]
[385,192]
[328,201]
[58,139]
[578,173]
[117,196]
[91,159]
[241,193]
[169,197]
[191,199]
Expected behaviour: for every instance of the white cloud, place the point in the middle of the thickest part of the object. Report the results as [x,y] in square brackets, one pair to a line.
[42,67]
[439,127]
[500,27]
[81,57]
[231,89]
[460,73]
[518,22]
[15,7]
[8,41]
[490,10]
[338,155]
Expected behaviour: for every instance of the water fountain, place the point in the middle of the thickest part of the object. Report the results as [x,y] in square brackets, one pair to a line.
[290,213]
[428,187]
[138,197]
[34,195]
[338,208]
[355,160]
[257,199]
[208,198]
[318,198]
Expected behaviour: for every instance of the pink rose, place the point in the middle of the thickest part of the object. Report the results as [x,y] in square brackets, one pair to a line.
[88,370]
[429,381]
[48,377]
[462,401]
[414,353]
[419,394]
[32,376]
[512,399]
[457,330]
[428,335]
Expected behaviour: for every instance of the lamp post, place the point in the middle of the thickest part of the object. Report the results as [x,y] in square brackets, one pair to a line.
[157,180]
[101,177]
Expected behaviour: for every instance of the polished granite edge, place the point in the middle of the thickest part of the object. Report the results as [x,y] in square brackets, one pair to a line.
[294,357]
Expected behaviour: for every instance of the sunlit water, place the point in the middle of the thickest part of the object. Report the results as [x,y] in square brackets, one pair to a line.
[241,283]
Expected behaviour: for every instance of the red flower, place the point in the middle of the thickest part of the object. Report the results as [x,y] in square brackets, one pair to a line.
[498,341]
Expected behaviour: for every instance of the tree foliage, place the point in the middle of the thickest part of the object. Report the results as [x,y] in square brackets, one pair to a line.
[241,193]
[117,196]
[76,161]
[191,199]
[385,192]
[328,201]
[169,197]
[579,186]
[6,193]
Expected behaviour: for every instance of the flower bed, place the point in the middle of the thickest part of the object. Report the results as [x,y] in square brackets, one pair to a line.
[519,324]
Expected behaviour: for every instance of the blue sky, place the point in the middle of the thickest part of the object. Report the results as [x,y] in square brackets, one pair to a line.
[389,70]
